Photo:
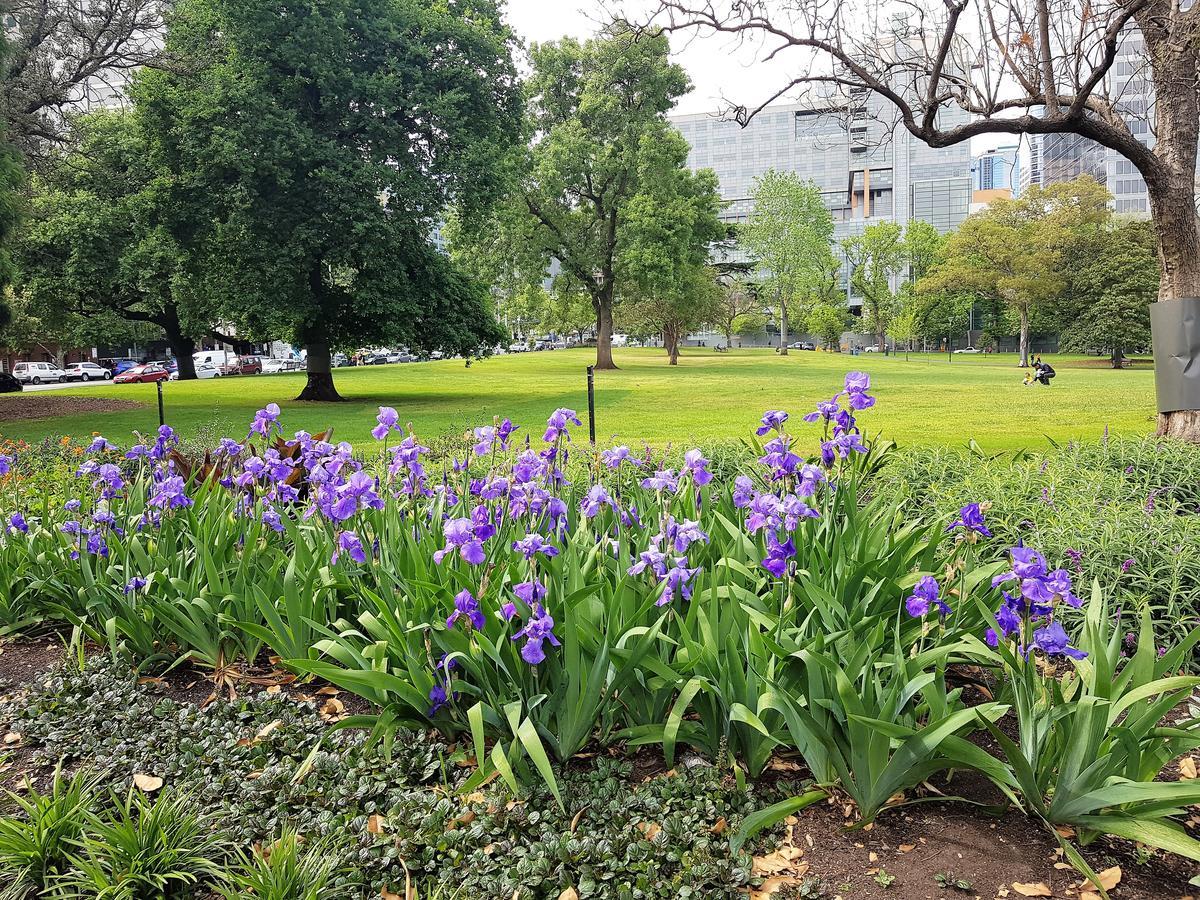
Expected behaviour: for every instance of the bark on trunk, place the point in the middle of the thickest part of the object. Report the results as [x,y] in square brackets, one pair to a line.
[1179,255]
[319,386]
[783,332]
[1024,338]
[183,346]
[604,329]
[1117,357]
[881,341]
[671,343]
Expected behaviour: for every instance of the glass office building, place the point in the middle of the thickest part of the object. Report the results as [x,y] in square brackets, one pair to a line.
[998,169]
[867,167]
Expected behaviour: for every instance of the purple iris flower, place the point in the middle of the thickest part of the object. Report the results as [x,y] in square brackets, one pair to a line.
[171,494]
[100,445]
[530,592]
[5,465]
[811,477]
[1053,641]
[137,451]
[466,607]
[1008,617]
[794,510]
[743,492]
[653,559]
[461,536]
[533,544]
[617,455]
[676,581]
[662,480]
[857,384]
[772,420]
[271,519]
[695,463]
[537,630]
[229,447]
[508,611]
[970,518]
[266,420]
[556,425]
[135,584]
[764,512]
[842,446]
[778,554]
[17,523]
[437,699]
[108,481]
[826,409]
[597,498]
[777,454]
[925,596]
[72,505]
[349,543]
[681,535]
[384,422]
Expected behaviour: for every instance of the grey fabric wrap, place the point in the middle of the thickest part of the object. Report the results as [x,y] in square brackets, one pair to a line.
[1175,325]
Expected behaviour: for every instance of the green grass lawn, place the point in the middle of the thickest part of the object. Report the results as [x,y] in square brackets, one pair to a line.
[708,396]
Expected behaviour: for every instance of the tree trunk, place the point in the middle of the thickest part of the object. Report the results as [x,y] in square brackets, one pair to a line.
[1178,232]
[671,343]
[602,303]
[320,386]
[183,346]
[783,334]
[881,341]
[1024,337]
[1118,356]
[729,336]
[1171,186]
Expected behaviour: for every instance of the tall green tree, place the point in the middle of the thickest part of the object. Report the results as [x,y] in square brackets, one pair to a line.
[828,320]
[597,112]
[333,135]
[1012,252]
[789,233]
[876,258]
[670,227]
[109,242]
[1111,279]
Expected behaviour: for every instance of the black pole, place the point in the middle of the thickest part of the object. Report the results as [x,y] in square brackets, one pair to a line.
[162,419]
[591,375]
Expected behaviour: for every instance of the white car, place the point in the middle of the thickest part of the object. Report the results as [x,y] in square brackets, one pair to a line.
[274,366]
[87,371]
[38,373]
[203,370]
[518,347]
[871,349]
[967,350]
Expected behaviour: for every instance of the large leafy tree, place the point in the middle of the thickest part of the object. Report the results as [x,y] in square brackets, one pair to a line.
[109,242]
[601,140]
[334,134]
[1111,278]
[789,233]
[1012,252]
[670,227]
[876,258]
[1013,67]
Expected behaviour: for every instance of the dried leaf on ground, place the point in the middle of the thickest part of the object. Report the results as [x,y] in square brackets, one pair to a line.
[649,830]
[1032,889]
[569,894]
[1187,767]
[772,886]
[147,783]
[376,824]
[782,860]
[1109,879]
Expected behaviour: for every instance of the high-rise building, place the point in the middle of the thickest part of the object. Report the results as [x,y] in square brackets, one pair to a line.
[868,168]
[998,169]
[1052,158]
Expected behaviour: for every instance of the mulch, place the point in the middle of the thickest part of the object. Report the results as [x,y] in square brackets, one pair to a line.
[52,405]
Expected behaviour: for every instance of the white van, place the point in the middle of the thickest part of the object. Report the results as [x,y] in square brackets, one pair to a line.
[38,373]
[218,358]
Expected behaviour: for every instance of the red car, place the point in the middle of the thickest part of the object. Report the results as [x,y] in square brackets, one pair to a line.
[245,365]
[148,372]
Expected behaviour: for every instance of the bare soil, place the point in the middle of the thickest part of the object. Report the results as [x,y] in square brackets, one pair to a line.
[52,405]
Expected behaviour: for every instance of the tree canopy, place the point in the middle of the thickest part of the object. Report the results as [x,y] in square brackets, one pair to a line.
[789,234]
[333,136]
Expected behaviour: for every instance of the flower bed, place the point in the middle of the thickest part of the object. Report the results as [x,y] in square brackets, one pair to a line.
[530,614]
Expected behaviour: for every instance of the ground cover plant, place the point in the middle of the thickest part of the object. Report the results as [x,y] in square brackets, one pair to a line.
[709,397]
[531,599]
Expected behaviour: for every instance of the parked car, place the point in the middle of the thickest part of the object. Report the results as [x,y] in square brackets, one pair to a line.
[518,347]
[967,350]
[118,364]
[148,372]
[87,371]
[203,370]
[871,348]
[38,373]
[8,384]
[274,366]
[218,358]
[243,365]
[340,360]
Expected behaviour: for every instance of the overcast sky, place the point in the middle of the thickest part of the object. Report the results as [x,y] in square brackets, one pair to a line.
[720,69]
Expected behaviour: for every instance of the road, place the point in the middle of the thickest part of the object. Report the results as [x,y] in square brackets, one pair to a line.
[30,388]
